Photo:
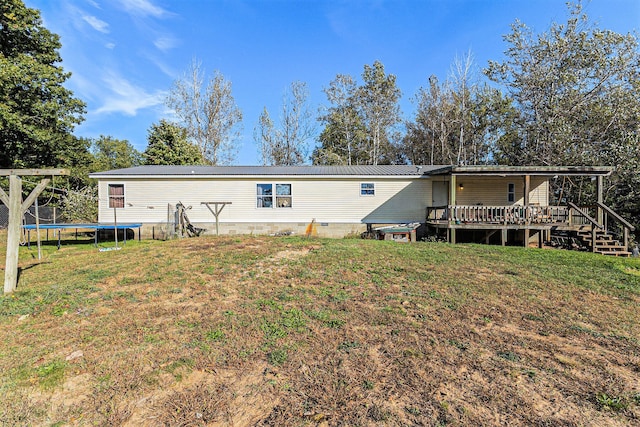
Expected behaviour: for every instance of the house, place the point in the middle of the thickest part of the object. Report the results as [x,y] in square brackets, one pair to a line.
[464,203]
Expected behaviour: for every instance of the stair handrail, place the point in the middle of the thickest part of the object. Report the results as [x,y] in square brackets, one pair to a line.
[627,227]
[616,216]
[586,215]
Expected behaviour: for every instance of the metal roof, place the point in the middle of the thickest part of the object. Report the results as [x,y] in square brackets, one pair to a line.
[531,170]
[363,170]
[156,171]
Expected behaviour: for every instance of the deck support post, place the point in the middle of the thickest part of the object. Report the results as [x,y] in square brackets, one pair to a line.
[525,235]
[503,237]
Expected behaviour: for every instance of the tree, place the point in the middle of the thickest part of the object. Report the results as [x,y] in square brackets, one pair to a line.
[377,100]
[577,91]
[208,113]
[457,122]
[80,205]
[111,153]
[575,87]
[360,124]
[37,113]
[168,145]
[288,144]
[344,135]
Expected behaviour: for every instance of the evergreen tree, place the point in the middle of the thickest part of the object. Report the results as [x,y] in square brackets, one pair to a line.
[169,145]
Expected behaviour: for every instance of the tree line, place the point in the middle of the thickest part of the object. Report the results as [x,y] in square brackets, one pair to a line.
[567,96]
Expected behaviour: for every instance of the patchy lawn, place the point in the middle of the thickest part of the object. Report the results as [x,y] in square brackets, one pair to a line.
[271,331]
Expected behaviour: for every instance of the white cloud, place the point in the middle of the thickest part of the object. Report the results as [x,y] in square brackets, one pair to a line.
[110,45]
[126,98]
[165,43]
[94,4]
[143,7]
[96,23]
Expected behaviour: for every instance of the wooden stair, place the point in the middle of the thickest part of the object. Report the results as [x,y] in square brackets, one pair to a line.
[605,243]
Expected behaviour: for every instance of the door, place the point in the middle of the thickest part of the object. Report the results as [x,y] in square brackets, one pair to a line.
[440,193]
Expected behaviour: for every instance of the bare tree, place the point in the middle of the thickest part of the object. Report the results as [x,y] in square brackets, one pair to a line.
[462,85]
[208,112]
[287,145]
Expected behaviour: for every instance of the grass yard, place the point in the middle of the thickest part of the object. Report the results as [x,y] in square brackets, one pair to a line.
[265,331]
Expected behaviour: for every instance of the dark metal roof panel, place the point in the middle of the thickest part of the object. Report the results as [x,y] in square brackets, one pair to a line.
[363,170]
[532,170]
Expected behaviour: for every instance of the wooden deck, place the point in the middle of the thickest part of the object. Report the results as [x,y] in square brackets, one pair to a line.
[527,224]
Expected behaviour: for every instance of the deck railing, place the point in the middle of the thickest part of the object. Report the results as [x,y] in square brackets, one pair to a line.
[513,214]
[614,223]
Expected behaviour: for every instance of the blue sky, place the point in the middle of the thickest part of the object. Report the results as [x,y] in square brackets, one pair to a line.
[125,54]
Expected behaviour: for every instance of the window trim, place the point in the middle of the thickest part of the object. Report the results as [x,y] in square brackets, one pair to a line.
[112,197]
[262,197]
[274,196]
[284,196]
[364,190]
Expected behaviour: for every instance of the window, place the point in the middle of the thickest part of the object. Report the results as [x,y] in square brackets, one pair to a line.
[116,195]
[283,195]
[511,195]
[265,196]
[367,189]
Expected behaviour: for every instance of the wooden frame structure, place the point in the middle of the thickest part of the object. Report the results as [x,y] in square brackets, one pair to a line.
[217,209]
[17,208]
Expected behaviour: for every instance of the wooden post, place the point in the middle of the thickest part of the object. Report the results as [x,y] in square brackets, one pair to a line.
[13,233]
[218,206]
[452,203]
[17,208]
[38,231]
[599,213]
[525,198]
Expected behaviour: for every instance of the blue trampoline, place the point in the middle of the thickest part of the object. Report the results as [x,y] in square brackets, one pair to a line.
[88,226]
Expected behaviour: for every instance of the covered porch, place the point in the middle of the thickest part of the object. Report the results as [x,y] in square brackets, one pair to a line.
[525,214]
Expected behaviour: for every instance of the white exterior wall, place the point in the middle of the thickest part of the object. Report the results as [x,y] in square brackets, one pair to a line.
[328,200]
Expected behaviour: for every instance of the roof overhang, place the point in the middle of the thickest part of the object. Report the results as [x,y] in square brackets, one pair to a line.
[531,170]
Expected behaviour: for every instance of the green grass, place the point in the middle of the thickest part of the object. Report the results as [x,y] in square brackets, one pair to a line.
[346,331]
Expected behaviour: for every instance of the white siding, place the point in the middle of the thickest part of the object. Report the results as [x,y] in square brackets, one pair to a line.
[330,200]
[493,191]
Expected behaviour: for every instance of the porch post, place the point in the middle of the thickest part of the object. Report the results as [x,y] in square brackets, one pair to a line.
[452,203]
[599,185]
[525,199]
